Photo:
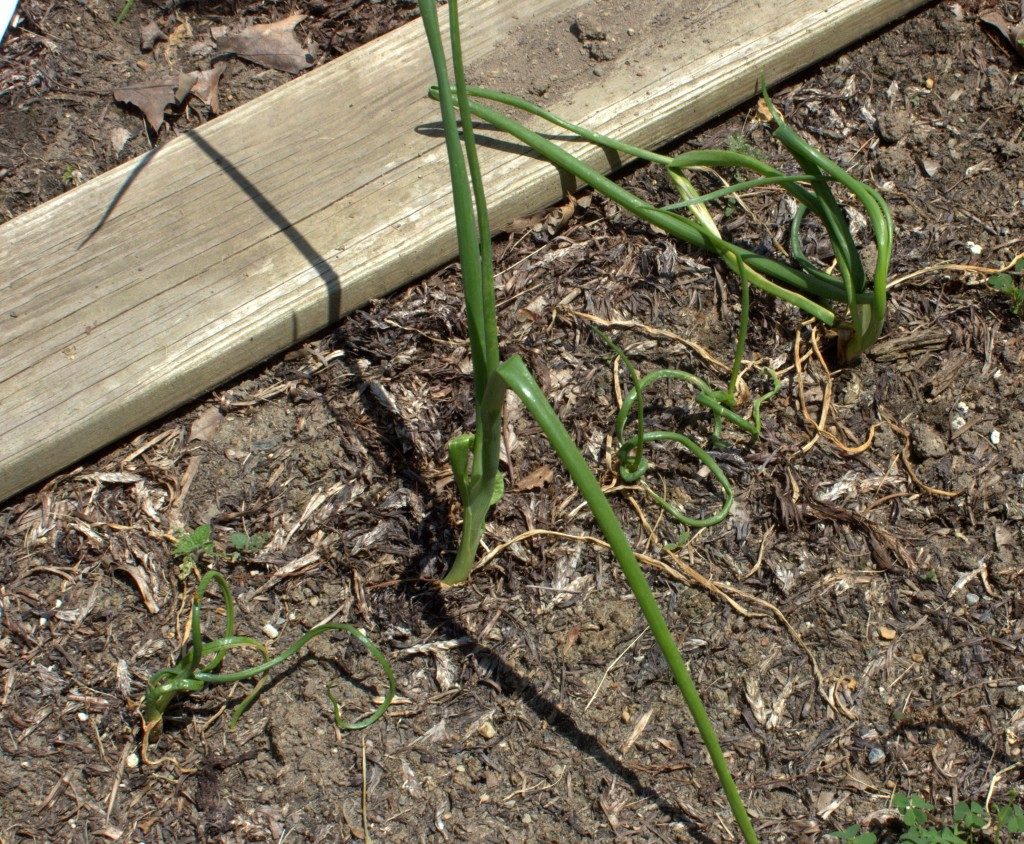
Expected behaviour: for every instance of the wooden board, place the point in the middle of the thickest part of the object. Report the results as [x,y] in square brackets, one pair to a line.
[155,282]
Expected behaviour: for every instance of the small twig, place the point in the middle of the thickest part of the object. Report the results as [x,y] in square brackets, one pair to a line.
[610,666]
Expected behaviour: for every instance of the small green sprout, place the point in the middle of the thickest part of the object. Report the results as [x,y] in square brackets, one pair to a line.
[735,142]
[191,547]
[199,663]
[972,824]
[125,9]
[633,466]
[1011,285]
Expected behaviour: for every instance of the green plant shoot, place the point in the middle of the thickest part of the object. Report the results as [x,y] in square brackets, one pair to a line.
[199,663]
[474,457]
[800,283]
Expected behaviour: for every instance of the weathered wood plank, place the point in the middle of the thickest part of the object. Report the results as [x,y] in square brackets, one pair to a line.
[155,282]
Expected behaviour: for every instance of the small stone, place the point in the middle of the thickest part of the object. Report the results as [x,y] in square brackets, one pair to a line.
[973,247]
[887,633]
[270,631]
[626,716]
[83,716]
[876,756]
[929,166]
[132,761]
[926,442]
[995,437]
[486,730]
[527,820]
[972,599]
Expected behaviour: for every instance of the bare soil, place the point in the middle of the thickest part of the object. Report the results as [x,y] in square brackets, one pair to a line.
[859,628]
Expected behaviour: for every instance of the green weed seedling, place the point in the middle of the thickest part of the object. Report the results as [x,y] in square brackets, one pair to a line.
[1011,285]
[972,824]
[200,662]
[193,546]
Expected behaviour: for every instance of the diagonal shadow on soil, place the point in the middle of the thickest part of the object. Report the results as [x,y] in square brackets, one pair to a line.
[425,600]
[428,598]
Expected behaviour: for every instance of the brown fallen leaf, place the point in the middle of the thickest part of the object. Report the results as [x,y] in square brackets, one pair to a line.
[207,86]
[538,478]
[1012,32]
[152,98]
[271,45]
[150,35]
[206,424]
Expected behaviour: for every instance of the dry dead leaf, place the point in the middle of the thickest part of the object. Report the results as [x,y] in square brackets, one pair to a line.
[207,86]
[536,479]
[150,35]
[152,98]
[206,424]
[271,45]
[1012,32]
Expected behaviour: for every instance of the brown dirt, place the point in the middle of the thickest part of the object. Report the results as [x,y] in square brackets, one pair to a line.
[526,695]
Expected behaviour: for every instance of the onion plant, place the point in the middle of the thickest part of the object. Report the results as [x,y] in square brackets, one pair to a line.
[800,282]
[474,457]
[852,301]
[199,663]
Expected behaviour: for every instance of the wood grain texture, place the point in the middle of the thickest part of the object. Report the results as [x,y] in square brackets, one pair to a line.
[155,282]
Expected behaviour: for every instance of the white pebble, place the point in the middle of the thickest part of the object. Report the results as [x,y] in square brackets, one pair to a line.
[975,249]
[83,716]
[995,436]
[132,761]
[270,631]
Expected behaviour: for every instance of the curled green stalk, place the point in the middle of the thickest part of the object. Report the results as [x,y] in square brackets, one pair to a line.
[633,466]
[517,377]
[809,288]
[199,664]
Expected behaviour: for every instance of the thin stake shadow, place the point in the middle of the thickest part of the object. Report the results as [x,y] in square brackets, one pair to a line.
[317,261]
